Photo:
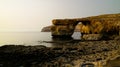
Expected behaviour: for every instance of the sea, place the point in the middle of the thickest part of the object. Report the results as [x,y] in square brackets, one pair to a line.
[31,38]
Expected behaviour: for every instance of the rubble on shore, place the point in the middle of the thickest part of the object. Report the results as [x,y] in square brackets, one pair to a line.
[75,55]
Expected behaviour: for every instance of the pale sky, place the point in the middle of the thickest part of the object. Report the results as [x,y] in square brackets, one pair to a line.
[32,15]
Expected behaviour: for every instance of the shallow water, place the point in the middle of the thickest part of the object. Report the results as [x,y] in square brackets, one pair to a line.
[30,38]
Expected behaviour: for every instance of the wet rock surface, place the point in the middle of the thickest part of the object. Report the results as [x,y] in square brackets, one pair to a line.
[75,55]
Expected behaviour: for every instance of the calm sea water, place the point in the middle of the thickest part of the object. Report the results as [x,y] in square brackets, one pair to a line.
[29,38]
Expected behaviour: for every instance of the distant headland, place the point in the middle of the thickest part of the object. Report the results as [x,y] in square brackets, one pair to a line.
[91,28]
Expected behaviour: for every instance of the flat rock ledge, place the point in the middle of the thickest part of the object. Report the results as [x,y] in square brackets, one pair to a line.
[94,53]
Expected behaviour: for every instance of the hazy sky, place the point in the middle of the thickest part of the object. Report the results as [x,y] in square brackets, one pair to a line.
[32,15]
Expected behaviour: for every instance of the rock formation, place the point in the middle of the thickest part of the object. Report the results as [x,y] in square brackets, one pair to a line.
[106,26]
[48,28]
[63,27]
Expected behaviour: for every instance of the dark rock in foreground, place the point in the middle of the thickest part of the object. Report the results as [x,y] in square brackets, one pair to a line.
[76,55]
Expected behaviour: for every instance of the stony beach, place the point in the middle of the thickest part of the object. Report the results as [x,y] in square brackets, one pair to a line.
[98,53]
[99,45]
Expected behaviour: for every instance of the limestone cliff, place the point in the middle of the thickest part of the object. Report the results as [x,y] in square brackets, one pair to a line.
[107,26]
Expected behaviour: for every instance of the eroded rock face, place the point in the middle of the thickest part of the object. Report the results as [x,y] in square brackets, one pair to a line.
[104,23]
[63,28]
[107,25]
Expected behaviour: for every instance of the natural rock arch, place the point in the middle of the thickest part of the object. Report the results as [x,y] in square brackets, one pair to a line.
[92,28]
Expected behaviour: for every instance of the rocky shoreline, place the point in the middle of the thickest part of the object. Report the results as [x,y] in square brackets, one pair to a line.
[99,45]
[76,55]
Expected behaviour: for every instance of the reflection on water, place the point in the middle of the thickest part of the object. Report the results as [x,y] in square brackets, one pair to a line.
[64,41]
[30,38]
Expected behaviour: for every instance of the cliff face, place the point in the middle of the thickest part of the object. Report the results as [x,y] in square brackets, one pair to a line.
[101,23]
[106,26]
[63,27]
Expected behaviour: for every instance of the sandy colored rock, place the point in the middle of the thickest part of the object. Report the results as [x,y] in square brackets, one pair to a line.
[62,30]
[64,22]
[101,24]
[91,36]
